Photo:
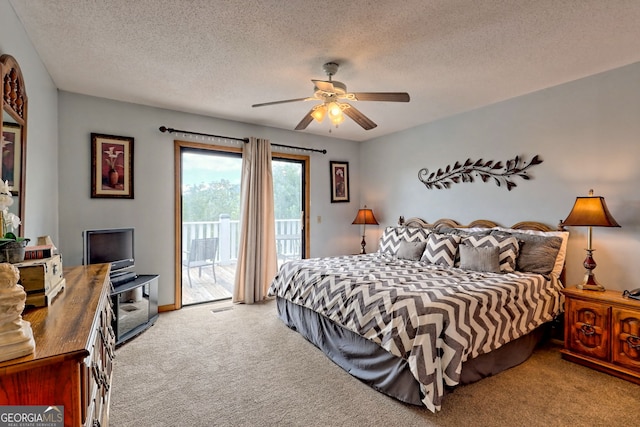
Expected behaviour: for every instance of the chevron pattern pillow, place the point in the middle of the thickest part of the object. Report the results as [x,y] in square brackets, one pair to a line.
[509,248]
[441,249]
[390,240]
[414,234]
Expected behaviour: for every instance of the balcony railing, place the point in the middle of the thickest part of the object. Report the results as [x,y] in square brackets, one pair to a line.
[288,232]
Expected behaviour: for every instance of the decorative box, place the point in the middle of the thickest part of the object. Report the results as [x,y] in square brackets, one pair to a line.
[42,279]
[38,252]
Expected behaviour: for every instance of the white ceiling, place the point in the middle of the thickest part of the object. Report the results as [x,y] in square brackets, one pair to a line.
[217,58]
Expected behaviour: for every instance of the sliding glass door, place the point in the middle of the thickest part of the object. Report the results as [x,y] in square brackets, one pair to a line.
[288,195]
[210,218]
[208,208]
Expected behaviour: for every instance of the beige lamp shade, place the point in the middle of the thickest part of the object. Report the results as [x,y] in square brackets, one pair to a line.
[590,211]
[365,216]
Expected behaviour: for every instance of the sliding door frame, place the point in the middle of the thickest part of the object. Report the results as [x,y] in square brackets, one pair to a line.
[178,146]
[306,197]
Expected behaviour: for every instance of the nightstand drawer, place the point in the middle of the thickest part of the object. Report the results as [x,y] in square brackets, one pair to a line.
[588,328]
[626,338]
[602,331]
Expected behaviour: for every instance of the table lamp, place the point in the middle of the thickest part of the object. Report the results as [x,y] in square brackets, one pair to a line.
[364,217]
[590,212]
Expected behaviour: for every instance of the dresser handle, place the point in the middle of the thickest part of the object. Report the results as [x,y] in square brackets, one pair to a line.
[587,329]
[634,342]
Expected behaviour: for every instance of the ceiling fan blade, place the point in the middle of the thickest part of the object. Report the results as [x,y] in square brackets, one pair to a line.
[305,121]
[324,85]
[281,102]
[381,96]
[364,121]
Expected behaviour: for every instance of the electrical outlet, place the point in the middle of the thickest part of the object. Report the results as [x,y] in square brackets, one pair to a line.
[319,219]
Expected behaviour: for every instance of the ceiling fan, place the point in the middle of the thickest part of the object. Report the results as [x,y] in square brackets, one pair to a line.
[332,94]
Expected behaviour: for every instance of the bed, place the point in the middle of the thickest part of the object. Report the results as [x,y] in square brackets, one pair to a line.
[438,305]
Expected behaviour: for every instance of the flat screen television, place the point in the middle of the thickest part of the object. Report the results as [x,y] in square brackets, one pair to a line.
[110,245]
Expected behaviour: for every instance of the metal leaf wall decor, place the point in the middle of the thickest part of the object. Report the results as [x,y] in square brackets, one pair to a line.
[470,170]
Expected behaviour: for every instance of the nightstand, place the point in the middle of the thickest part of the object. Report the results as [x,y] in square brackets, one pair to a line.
[602,331]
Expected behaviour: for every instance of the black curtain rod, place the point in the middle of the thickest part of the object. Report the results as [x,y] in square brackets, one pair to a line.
[245,140]
[172,130]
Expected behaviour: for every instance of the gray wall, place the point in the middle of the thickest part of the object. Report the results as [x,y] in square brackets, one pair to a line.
[41,205]
[151,211]
[587,133]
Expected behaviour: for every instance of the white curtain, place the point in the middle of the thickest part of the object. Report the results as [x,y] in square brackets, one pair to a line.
[257,259]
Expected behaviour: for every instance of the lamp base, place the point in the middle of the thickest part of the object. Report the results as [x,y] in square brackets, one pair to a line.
[590,283]
[363,244]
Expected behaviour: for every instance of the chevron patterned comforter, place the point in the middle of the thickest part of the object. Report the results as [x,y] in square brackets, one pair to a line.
[432,316]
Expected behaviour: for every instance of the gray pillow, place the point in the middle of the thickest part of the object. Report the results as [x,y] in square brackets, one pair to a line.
[537,253]
[411,250]
[480,258]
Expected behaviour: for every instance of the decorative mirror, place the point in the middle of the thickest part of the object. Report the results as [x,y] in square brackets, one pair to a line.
[14,133]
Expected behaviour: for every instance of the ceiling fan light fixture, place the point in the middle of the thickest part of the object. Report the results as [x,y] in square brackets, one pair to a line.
[334,110]
[337,119]
[319,113]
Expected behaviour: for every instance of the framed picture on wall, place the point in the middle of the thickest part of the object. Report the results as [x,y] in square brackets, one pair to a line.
[339,181]
[11,161]
[111,166]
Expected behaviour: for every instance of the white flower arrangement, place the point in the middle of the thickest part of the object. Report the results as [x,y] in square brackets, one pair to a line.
[8,220]
[6,199]
[112,157]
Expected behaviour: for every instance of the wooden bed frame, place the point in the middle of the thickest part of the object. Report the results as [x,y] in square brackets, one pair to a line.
[482,223]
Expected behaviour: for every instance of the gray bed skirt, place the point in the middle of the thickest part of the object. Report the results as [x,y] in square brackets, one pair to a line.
[383,371]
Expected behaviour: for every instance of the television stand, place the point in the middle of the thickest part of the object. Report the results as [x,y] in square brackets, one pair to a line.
[135,306]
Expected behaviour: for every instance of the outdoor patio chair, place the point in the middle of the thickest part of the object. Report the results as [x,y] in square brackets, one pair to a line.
[201,253]
[288,247]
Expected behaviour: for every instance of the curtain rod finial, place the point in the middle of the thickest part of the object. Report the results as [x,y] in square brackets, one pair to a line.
[166,129]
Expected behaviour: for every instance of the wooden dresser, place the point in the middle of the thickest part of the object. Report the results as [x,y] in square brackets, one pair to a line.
[72,362]
[602,331]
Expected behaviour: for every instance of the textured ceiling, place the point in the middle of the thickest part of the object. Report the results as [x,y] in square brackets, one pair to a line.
[217,58]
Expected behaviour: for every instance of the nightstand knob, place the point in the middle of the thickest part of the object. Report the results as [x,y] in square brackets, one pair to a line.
[634,342]
[587,329]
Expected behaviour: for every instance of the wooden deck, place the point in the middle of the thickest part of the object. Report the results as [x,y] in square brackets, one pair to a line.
[204,289]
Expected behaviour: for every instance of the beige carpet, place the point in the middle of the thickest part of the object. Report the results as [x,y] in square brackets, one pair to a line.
[244,367]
